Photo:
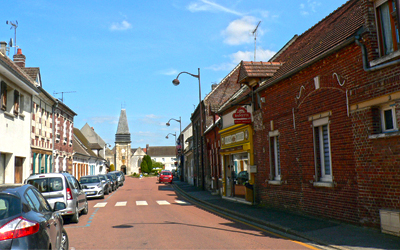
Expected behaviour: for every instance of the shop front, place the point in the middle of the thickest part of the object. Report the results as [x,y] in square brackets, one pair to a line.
[237,159]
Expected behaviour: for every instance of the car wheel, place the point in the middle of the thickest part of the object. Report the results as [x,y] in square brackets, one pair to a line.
[64,244]
[75,217]
[106,191]
[86,208]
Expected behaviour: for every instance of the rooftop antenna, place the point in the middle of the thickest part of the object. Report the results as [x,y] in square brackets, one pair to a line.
[15,26]
[62,94]
[255,38]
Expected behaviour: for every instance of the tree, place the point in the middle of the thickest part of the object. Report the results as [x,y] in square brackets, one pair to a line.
[149,163]
[144,167]
[112,167]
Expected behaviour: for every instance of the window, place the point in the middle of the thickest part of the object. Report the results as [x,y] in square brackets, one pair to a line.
[3,96]
[16,102]
[388,118]
[388,30]
[322,150]
[274,151]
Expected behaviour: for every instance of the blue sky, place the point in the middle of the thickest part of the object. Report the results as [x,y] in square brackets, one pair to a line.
[118,54]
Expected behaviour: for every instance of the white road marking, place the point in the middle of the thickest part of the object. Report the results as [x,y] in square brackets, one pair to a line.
[101,204]
[182,202]
[163,203]
[141,203]
[121,204]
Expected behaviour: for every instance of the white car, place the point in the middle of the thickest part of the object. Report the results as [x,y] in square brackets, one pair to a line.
[93,186]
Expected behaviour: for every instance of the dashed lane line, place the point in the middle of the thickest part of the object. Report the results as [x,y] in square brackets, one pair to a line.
[101,204]
[120,204]
[163,203]
[182,202]
[141,203]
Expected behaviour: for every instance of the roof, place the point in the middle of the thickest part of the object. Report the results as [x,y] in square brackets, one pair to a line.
[34,73]
[332,31]
[161,151]
[81,144]
[257,70]
[123,134]
[94,139]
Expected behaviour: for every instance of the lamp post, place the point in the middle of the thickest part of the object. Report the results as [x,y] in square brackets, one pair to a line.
[180,153]
[176,83]
[180,124]
[171,134]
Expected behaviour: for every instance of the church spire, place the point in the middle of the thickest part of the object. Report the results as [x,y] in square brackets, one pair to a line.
[123,134]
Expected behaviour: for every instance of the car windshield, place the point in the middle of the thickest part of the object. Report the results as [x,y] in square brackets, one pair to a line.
[102,177]
[166,173]
[9,206]
[93,179]
[117,173]
[45,185]
[112,176]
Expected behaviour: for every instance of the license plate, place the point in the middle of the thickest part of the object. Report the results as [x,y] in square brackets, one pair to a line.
[90,192]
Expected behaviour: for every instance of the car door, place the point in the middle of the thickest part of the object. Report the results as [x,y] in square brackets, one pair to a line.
[81,196]
[45,217]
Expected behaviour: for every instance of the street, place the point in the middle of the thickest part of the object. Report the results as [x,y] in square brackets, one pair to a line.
[144,214]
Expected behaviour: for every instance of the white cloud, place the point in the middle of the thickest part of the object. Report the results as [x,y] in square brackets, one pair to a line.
[311,6]
[168,72]
[205,5]
[240,31]
[124,25]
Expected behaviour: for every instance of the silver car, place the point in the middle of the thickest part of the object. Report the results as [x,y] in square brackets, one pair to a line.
[92,186]
[61,187]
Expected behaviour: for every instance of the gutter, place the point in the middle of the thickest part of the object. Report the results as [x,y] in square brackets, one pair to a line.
[366,64]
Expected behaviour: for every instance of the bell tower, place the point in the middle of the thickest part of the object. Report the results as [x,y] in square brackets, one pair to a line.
[123,144]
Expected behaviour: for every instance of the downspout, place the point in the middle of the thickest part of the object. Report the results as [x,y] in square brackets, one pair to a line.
[52,164]
[366,65]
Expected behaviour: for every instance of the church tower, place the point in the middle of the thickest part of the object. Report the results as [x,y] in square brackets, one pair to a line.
[123,152]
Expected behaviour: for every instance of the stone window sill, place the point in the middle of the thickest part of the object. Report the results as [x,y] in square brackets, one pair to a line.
[384,135]
[385,58]
[9,114]
[323,184]
[274,182]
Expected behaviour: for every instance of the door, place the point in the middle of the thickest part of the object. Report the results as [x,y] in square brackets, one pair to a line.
[18,170]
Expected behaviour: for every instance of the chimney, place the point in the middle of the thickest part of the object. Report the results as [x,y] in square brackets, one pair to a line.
[19,59]
[213,86]
[3,47]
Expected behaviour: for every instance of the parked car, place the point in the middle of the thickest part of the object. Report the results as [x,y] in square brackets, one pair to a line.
[107,183]
[165,176]
[112,182]
[62,187]
[121,177]
[27,220]
[115,179]
[92,186]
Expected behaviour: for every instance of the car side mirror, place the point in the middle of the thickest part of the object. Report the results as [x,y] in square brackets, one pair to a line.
[59,206]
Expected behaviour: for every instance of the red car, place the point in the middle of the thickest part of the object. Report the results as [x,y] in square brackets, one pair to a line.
[165,176]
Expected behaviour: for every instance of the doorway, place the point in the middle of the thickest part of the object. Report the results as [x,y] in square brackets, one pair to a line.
[18,169]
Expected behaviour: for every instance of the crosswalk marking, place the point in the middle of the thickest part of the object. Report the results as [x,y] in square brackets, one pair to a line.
[121,204]
[163,202]
[182,202]
[141,203]
[101,204]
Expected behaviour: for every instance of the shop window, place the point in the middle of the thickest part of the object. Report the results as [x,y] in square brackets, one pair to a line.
[3,96]
[275,162]
[388,118]
[322,150]
[388,28]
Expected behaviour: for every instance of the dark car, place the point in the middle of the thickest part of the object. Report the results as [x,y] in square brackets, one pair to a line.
[115,179]
[112,182]
[165,176]
[107,183]
[121,177]
[27,221]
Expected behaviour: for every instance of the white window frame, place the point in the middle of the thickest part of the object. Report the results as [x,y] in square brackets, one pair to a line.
[319,125]
[392,108]
[274,153]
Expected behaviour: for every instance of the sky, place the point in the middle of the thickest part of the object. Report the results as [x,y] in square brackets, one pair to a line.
[123,54]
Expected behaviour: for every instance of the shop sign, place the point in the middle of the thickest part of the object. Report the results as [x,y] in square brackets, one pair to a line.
[241,116]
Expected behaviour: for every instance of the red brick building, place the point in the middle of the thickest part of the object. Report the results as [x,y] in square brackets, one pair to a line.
[326,138]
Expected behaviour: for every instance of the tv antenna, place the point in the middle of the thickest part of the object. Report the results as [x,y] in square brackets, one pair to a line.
[255,39]
[62,94]
[15,26]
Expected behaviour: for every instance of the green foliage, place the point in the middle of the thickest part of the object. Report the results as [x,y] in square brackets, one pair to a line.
[112,167]
[157,167]
[144,167]
[149,164]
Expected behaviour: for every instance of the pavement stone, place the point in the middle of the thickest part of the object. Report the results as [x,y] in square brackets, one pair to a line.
[327,232]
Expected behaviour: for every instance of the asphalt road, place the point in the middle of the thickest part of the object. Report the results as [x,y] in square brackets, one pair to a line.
[144,214]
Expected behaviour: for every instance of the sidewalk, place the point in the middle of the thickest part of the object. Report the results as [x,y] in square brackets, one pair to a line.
[333,234]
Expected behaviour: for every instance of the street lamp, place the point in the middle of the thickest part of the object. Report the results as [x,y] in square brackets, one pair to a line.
[176,83]
[180,124]
[179,153]
[174,134]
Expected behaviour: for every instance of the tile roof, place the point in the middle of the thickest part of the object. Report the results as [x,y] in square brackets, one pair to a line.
[161,151]
[84,143]
[33,72]
[257,70]
[332,31]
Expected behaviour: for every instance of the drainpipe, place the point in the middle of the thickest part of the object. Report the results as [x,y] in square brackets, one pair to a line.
[55,106]
[366,64]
